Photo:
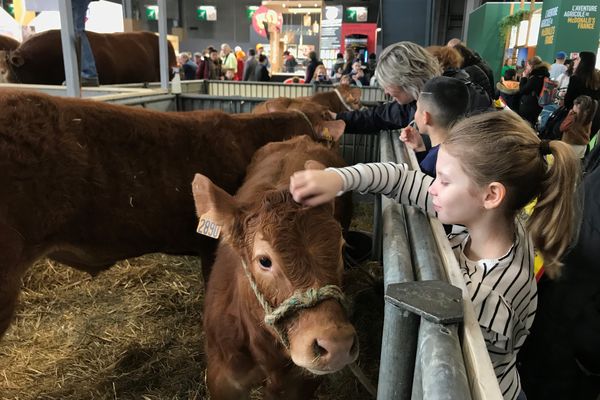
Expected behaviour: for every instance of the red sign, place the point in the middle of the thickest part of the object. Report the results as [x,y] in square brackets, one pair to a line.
[264,14]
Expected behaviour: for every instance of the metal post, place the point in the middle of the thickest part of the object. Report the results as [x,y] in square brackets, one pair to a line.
[67,37]
[442,368]
[399,339]
[162,44]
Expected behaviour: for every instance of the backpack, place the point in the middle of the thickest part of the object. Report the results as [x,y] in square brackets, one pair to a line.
[479,100]
[548,92]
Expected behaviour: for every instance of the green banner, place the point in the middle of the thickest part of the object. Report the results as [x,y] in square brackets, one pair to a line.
[568,25]
[152,13]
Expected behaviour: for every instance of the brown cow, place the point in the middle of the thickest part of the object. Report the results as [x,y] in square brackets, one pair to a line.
[286,249]
[89,183]
[342,98]
[8,43]
[120,58]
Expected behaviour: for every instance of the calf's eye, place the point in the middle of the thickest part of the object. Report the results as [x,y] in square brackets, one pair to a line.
[265,262]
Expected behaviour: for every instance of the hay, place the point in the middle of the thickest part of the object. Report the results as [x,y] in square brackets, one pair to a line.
[132,332]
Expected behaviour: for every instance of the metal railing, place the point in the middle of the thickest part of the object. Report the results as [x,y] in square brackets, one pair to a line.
[422,358]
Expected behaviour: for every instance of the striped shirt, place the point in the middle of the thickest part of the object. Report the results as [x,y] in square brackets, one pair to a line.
[503,290]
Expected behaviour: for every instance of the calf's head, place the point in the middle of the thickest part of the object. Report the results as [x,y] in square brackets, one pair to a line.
[350,96]
[9,61]
[288,250]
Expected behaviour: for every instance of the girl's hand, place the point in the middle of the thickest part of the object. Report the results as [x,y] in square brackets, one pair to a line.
[312,187]
[412,138]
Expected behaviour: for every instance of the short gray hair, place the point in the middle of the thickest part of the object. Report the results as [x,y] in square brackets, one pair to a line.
[408,66]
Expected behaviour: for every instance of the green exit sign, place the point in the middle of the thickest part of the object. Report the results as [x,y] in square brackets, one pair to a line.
[152,13]
[11,9]
[201,14]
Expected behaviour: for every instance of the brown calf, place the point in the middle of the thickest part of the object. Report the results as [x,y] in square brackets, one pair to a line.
[120,58]
[284,248]
[343,98]
[90,183]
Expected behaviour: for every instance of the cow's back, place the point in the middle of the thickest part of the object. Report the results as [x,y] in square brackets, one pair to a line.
[115,180]
[128,57]
[120,58]
[8,43]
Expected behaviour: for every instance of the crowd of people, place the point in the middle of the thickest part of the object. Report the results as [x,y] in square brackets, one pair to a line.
[480,169]
[237,65]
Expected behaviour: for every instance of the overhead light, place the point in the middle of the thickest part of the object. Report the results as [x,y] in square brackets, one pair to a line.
[316,5]
[284,5]
[299,5]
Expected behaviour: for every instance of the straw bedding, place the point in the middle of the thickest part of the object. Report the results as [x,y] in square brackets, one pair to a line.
[135,332]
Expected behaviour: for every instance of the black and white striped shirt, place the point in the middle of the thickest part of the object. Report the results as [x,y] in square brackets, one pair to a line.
[503,290]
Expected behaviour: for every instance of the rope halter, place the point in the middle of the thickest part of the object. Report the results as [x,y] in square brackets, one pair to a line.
[297,301]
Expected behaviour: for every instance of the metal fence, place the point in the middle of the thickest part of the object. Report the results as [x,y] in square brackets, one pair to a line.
[263,90]
[422,356]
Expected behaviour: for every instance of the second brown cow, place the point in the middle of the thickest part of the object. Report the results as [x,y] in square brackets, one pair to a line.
[120,58]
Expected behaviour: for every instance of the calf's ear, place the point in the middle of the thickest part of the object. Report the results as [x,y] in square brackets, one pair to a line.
[215,208]
[331,130]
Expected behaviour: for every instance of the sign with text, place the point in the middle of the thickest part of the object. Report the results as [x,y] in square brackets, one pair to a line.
[569,26]
[331,34]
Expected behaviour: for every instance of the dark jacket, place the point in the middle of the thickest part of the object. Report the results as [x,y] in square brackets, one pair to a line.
[250,69]
[338,64]
[290,64]
[479,77]
[310,70]
[391,115]
[561,357]
[262,73]
[529,90]
[189,70]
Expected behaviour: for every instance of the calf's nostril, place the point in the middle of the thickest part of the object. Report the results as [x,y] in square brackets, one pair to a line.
[318,350]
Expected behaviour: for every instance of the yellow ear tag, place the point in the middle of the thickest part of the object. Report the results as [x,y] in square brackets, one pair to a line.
[326,135]
[207,227]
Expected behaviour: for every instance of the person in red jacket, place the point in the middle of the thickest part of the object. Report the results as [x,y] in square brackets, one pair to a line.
[241,59]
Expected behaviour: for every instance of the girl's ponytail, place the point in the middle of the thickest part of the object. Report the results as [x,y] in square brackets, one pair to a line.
[555,219]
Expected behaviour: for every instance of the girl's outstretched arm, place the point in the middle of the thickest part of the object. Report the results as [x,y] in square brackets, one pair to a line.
[313,187]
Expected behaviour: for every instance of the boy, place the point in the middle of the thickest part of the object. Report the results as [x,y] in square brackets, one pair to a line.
[441,104]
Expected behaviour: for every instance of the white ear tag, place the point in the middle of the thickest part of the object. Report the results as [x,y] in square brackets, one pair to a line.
[207,227]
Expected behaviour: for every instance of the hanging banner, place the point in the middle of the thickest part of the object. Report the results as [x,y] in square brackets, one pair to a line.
[569,26]
[262,15]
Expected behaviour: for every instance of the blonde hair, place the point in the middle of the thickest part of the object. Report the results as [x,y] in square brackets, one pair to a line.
[502,147]
[408,66]
[319,68]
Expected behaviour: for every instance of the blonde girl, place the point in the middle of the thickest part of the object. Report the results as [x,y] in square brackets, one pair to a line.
[489,167]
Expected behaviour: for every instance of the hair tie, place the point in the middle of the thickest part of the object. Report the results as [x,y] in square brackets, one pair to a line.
[545,147]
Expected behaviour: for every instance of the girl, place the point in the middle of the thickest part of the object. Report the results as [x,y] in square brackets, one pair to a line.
[577,125]
[489,167]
